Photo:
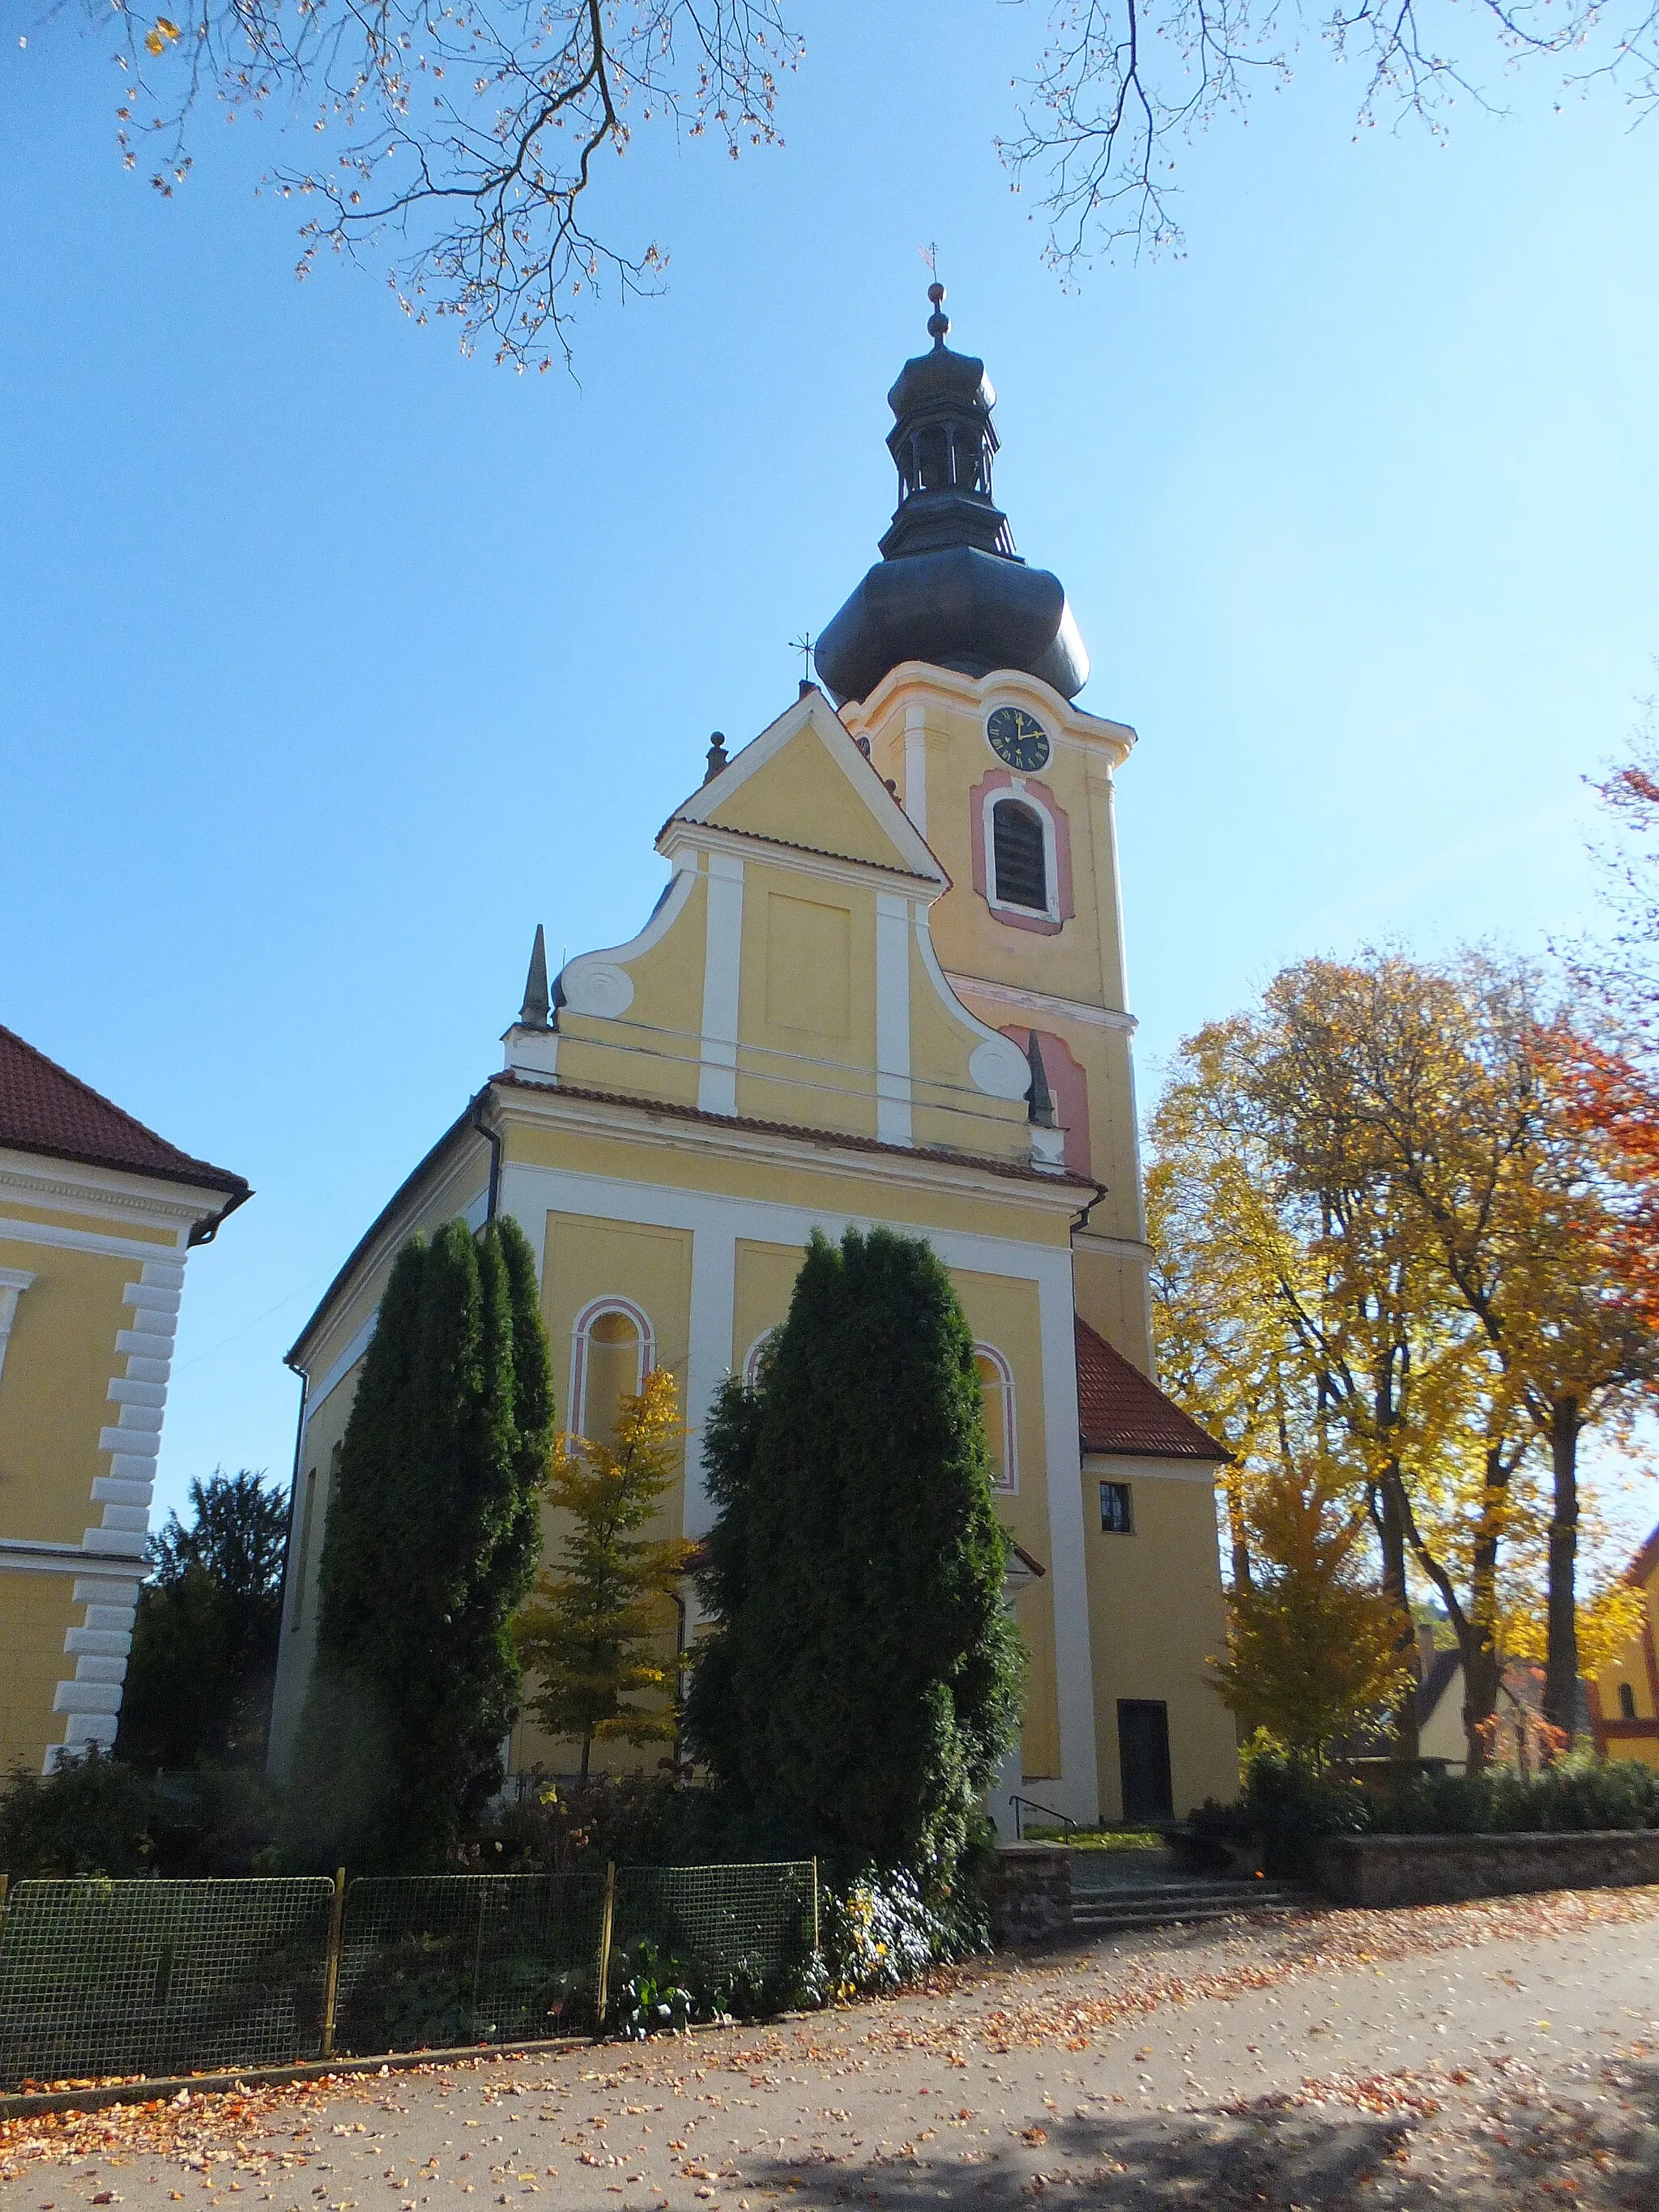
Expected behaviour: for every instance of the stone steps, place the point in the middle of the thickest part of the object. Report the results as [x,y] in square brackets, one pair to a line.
[1164,1905]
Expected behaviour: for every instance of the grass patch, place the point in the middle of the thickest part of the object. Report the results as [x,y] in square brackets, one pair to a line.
[1099,1840]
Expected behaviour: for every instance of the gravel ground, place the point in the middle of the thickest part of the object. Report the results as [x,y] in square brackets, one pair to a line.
[1502,2055]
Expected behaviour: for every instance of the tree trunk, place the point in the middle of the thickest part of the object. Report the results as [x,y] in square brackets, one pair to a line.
[1561,1666]
[1242,1578]
[1391,1532]
[1482,1666]
[588,1746]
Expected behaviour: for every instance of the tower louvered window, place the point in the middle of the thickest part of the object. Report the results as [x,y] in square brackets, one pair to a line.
[1022,874]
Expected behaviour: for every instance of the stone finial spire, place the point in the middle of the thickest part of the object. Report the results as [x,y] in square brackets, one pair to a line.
[537,1005]
[1039,1101]
[717,757]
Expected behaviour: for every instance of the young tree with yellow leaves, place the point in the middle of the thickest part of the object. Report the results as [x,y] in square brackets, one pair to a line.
[594,1628]
[1314,1650]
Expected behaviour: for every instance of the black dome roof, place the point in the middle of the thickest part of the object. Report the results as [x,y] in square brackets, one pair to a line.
[950,587]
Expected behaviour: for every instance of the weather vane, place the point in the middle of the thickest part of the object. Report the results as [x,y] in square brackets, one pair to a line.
[930,255]
[803,645]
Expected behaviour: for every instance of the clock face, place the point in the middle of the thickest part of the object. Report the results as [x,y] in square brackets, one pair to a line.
[1017,737]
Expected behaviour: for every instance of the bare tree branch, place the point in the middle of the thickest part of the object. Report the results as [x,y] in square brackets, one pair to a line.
[1123,83]
[463,133]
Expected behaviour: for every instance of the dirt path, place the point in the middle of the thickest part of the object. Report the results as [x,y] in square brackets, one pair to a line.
[1485,2056]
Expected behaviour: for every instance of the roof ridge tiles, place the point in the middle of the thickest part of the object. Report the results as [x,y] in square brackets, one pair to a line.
[45,1110]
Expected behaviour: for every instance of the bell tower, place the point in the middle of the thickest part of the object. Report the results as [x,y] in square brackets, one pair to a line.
[955,664]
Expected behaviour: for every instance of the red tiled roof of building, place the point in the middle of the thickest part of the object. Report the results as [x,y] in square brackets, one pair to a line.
[1120,1410]
[44,1108]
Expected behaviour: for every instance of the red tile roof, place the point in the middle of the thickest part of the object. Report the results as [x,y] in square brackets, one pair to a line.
[1120,1410]
[44,1108]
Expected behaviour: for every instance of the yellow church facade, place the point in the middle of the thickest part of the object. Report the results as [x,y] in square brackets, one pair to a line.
[883,983]
[98,1218]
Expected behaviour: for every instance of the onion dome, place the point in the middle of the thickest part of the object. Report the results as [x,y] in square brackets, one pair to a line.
[949,587]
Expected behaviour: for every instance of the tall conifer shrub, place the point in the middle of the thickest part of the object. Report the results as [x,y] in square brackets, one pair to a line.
[863,1679]
[430,1547]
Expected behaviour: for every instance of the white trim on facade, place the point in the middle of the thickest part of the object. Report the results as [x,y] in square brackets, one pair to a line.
[359,1344]
[1044,1002]
[67,1187]
[86,1240]
[681,839]
[1123,1467]
[717,1083]
[812,709]
[598,983]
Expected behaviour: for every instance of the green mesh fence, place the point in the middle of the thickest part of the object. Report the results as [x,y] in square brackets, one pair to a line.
[728,1929]
[99,1978]
[146,1978]
[450,1958]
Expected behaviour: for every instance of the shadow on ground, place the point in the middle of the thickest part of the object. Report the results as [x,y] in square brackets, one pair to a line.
[1266,2157]
[1507,2142]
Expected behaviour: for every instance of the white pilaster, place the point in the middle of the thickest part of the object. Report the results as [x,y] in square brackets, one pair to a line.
[91,1698]
[708,1354]
[14,1281]
[893,1120]
[1079,1786]
[717,1085]
[915,764]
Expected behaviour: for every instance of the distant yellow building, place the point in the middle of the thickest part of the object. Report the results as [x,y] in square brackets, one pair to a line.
[1625,1697]
[97,1218]
[884,982]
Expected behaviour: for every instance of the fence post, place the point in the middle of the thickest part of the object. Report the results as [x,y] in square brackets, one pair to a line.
[331,1978]
[605,1939]
[816,1944]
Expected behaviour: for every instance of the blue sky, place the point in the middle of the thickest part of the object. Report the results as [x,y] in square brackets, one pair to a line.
[331,662]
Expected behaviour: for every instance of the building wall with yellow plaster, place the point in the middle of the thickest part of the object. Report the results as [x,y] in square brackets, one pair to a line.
[92,1263]
[1633,1733]
[1157,1614]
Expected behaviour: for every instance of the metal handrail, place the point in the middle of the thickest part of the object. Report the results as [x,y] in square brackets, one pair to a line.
[1030,1805]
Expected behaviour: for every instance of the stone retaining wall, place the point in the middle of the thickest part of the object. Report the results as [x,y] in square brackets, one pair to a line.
[1387,1870]
[1029,1893]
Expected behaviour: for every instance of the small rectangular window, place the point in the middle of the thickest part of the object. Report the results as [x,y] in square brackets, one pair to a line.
[1116,1509]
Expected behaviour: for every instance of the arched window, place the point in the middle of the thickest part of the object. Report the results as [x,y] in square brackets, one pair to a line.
[1626,1702]
[612,1355]
[753,1357]
[996,1387]
[1019,858]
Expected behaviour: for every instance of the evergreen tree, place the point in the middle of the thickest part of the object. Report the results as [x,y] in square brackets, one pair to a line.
[205,1643]
[863,1679]
[430,1546]
[594,1631]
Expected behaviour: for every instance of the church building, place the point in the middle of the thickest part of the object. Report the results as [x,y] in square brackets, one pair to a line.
[883,983]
